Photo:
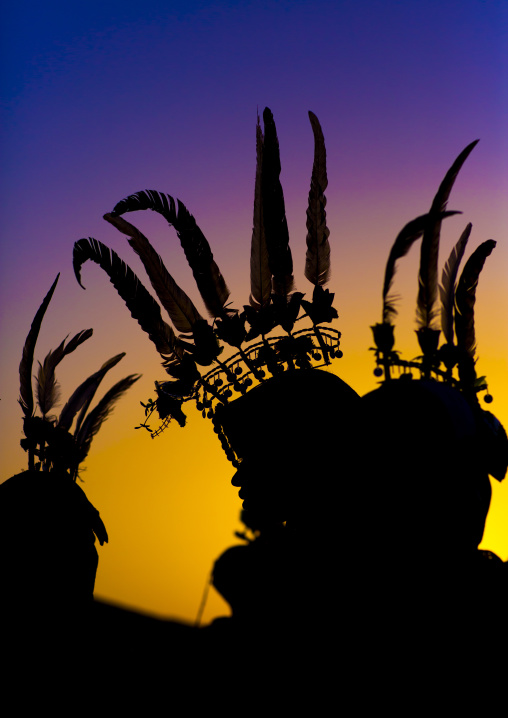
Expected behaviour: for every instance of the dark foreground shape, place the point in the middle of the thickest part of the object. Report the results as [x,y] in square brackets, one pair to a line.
[426,495]
[47,538]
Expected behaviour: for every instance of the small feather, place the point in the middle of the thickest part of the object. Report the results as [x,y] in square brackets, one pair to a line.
[82,396]
[405,239]
[99,414]
[47,387]
[26,399]
[317,261]
[274,211]
[428,274]
[139,301]
[260,274]
[448,282]
[209,279]
[175,301]
[465,297]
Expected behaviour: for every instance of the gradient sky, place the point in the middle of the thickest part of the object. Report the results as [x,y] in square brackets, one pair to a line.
[100,100]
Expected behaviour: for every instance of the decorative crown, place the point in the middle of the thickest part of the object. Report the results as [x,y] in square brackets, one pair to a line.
[453,361]
[273,304]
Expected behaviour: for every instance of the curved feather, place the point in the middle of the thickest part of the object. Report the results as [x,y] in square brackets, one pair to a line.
[139,301]
[82,396]
[47,386]
[274,211]
[260,274]
[317,260]
[99,414]
[465,297]
[448,282]
[26,399]
[209,280]
[405,239]
[428,274]
[175,301]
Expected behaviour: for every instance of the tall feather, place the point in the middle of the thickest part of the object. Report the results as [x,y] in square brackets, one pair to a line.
[207,274]
[428,274]
[26,398]
[260,274]
[274,211]
[175,301]
[465,297]
[448,282]
[47,386]
[317,261]
[99,414]
[405,239]
[139,301]
[82,396]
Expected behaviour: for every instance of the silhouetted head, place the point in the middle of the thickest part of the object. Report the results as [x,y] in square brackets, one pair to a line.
[288,434]
[48,556]
[425,467]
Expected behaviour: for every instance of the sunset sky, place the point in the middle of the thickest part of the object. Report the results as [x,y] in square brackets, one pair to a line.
[101,100]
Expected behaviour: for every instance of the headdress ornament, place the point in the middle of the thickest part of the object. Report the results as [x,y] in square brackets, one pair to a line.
[193,358]
[47,438]
[452,362]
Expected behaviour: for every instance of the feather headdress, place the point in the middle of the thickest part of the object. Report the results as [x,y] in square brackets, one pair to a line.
[272,302]
[457,298]
[49,439]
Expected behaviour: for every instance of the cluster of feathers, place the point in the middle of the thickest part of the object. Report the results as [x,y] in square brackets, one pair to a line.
[193,341]
[49,440]
[457,296]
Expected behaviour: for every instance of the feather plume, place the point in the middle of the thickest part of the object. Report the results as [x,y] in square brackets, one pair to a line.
[428,274]
[274,211]
[209,279]
[317,261]
[47,387]
[465,297]
[26,399]
[175,301]
[99,414]
[139,301]
[448,282]
[82,396]
[260,274]
[405,239]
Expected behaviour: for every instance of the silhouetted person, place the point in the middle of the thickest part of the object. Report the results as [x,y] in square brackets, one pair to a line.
[290,435]
[47,536]
[424,473]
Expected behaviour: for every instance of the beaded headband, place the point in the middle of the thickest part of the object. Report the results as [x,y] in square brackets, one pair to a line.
[273,303]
